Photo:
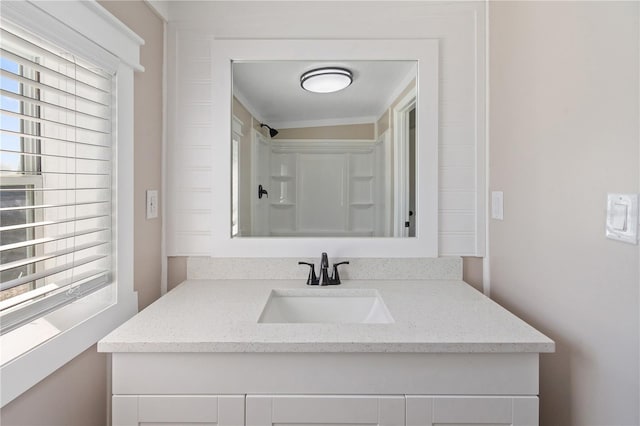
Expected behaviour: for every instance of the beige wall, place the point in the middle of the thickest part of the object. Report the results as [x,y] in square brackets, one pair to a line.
[564,132]
[472,272]
[177,271]
[76,394]
[347,131]
[383,122]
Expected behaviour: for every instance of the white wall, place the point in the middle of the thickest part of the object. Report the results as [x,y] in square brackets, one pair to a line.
[564,131]
[459,29]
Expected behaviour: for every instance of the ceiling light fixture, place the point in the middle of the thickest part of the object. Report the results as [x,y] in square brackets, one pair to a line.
[326,80]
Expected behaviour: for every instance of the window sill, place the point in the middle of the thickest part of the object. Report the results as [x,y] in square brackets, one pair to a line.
[35,350]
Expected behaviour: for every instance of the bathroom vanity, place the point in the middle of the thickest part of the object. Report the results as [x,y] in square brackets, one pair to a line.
[210,351]
[277,352]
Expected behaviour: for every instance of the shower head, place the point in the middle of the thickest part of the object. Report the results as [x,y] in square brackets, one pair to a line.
[272,132]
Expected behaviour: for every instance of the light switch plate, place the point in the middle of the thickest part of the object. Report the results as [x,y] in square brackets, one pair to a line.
[622,217]
[152,203]
[497,205]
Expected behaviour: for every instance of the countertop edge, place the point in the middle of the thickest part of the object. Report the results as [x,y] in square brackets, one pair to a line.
[146,347]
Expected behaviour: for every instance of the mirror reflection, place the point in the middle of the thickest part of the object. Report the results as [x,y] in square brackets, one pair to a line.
[323,149]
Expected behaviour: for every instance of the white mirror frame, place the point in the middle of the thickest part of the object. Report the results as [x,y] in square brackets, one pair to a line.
[424,51]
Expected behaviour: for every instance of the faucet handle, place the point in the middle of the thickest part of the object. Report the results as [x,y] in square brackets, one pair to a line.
[313,279]
[335,278]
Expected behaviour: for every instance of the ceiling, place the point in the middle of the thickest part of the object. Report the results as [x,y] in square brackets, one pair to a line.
[271,91]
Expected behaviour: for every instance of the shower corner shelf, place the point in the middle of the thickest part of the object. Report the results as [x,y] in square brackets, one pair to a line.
[282,177]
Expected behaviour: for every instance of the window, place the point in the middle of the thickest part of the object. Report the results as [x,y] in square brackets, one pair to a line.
[55,190]
[19,180]
[66,199]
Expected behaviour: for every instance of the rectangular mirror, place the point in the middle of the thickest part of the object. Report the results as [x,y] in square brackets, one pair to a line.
[323,148]
[347,178]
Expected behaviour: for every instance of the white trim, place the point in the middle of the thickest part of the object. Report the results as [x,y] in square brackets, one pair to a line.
[31,367]
[91,23]
[164,261]
[486,260]
[425,51]
[401,158]
[324,122]
[385,139]
[92,317]
[236,126]
[480,136]
[123,177]
[639,165]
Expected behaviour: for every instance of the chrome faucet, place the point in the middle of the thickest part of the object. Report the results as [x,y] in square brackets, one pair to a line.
[324,278]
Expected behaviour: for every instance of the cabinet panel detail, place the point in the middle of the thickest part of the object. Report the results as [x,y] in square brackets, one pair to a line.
[178,409]
[264,410]
[471,410]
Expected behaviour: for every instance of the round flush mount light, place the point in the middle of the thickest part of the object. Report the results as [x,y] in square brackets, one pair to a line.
[326,80]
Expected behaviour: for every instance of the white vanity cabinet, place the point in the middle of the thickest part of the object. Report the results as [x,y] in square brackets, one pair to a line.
[199,356]
[302,410]
[299,389]
[183,410]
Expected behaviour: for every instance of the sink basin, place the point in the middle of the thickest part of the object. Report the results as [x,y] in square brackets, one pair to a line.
[362,306]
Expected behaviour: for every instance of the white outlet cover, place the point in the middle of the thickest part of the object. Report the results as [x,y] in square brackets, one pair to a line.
[497,205]
[622,217]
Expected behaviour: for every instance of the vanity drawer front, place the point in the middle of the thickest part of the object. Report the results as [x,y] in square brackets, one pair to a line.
[210,410]
[472,410]
[299,410]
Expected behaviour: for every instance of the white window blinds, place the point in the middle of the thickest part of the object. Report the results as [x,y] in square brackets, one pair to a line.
[55,178]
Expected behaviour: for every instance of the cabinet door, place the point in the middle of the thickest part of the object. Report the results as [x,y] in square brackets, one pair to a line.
[174,410]
[478,410]
[317,410]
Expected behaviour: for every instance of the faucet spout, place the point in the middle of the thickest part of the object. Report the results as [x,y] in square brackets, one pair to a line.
[324,270]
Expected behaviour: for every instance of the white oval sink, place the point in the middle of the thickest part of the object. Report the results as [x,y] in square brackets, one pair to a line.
[359,306]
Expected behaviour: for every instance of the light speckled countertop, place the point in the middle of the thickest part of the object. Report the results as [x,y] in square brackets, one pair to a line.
[221,316]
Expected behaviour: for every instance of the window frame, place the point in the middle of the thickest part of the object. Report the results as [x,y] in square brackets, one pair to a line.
[88,30]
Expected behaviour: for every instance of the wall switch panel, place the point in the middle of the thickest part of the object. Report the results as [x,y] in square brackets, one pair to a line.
[152,203]
[622,217]
[497,205]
